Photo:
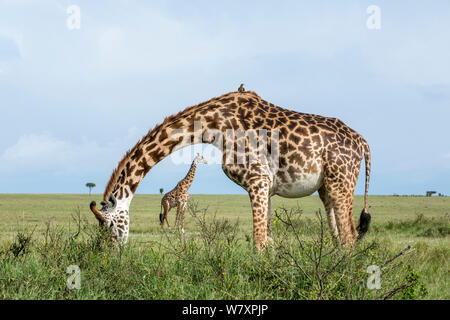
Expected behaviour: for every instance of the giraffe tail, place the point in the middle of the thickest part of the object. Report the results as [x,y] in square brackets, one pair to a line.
[364,219]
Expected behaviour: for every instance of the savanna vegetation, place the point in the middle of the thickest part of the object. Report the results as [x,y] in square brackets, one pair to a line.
[42,235]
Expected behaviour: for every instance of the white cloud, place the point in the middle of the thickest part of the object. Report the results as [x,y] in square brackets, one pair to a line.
[149,40]
[152,39]
[36,147]
[45,152]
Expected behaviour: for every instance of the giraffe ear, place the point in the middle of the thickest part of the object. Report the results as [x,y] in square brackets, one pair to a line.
[112,200]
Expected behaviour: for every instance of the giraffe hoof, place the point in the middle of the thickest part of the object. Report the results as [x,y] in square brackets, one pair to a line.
[182,231]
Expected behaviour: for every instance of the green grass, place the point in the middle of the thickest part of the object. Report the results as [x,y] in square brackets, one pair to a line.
[156,265]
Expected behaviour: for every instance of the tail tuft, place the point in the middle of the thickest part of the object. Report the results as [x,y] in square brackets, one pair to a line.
[364,222]
[364,219]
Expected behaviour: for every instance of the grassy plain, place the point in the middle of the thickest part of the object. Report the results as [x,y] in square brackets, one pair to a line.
[162,272]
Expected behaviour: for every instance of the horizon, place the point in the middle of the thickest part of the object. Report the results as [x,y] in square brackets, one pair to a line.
[232,194]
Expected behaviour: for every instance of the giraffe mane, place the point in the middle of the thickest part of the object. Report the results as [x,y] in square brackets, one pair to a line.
[167,121]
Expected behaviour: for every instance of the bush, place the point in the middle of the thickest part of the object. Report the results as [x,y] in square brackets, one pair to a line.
[421,226]
[218,262]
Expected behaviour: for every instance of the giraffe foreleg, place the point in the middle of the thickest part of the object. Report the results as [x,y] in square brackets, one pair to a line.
[269,221]
[177,219]
[258,191]
[183,210]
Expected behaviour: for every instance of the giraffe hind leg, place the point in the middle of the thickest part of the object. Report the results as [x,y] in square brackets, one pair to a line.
[161,215]
[330,213]
[165,214]
[339,197]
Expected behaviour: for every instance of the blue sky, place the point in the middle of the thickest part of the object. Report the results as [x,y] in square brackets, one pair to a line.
[73,101]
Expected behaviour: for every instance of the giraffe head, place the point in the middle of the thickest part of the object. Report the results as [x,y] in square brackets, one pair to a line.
[114,215]
[200,159]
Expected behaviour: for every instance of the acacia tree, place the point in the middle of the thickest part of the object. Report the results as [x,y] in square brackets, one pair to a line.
[90,185]
[430,193]
[161,190]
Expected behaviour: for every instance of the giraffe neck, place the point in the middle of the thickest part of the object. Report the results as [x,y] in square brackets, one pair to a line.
[187,181]
[165,139]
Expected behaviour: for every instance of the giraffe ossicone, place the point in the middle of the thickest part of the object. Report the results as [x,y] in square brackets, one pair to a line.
[314,153]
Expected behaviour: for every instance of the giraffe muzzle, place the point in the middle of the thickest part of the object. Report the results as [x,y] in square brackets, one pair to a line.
[97,213]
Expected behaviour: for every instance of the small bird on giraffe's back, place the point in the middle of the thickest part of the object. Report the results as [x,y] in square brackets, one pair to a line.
[241,88]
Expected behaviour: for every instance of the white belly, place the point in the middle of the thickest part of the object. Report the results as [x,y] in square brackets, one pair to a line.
[303,186]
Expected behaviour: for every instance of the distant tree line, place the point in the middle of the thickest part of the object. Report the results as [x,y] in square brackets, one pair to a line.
[427,194]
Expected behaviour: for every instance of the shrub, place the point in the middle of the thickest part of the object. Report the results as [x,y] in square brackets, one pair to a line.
[217,262]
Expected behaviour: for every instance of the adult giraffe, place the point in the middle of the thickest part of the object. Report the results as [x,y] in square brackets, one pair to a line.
[314,153]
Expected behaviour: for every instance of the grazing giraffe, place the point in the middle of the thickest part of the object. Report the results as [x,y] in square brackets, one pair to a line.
[178,196]
[314,153]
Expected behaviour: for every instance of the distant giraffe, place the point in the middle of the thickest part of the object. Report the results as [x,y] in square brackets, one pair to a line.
[315,153]
[178,196]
